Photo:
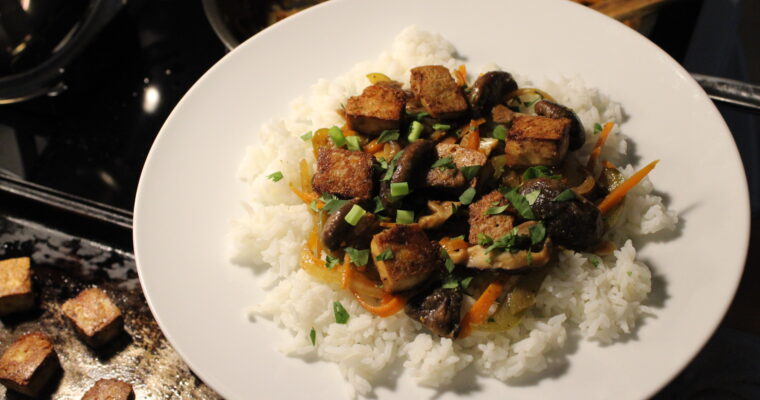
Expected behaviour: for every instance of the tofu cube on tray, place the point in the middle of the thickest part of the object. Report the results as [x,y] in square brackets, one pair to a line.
[15,286]
[29,364]
[94,316]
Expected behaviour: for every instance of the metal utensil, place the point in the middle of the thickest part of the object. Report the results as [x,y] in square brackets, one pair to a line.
[738,93]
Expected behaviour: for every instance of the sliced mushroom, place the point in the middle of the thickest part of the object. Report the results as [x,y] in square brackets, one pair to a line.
[411,167]
[489,90]
[437,310]
[551,109]
[336,231]
[574,223]
[441,212]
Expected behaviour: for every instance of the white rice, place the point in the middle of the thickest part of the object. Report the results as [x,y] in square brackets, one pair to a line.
[603,302]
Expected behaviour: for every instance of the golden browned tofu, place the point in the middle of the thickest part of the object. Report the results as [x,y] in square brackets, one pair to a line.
[15,285]
[29,364]
[493,225]
[534,140]
[501,114]
[434,87]
[344,173]
[413,257]
[94,316]
[452,179]
[110,389]
[378,108]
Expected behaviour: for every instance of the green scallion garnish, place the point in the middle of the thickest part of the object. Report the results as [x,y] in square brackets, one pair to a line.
[385,255]
[467,196]
[307,136]
[404,217]
[341,315]
[353,216]
[387,136]
[352,143]
[399,189]
[566,195]
[500,132]
[415,130]
[470,171]
[358,257]
[275,176]
[441,127]
[337,136]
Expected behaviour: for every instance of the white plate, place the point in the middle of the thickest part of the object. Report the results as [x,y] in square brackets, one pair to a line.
[188,192]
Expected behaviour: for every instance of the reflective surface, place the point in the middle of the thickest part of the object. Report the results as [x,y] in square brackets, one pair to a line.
[91,137]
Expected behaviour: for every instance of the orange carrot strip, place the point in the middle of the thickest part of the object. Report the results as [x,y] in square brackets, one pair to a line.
[387,224]
[305,176]
[471,139]
[305,197]
[373,147]
[346,280]
[617,195]
[453,245]
[599,144]
[608,164]
[461,75]
[479,311]
[391,304]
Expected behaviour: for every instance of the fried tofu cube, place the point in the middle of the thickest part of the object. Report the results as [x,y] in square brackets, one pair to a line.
[434,87]
[452,179]
[501,114]
[493,225]
[534,140]
[413,257]
[15,285]
[110,389]
[29,364]
[378,108]
[344,173]
[94,316]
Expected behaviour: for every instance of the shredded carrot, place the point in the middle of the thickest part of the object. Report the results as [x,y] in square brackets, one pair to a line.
[453,245]
[347,131]
[461,75]
[390,305]
[387,224]
[608,164]
[479,311]
[305,176]
[599,144]
[449,140]
[617,195]
[306,197]
[471,139]
[346,280]
[320,139]
[373,147]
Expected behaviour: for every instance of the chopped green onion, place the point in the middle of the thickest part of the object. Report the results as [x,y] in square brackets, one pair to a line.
[629,273]
[421,115]
[275,176]
[358,257]
[441,127]
[470,171]
[399,189]
[341,315]
[415,130]
[404,217]
[378,204]
[352,143]
[496,210]
[464,283]
[355,215]
[332,203]
[450,283]
[307,136]
[387,136]
[448,262]
[443,163]
[529,257]
[532,196]
[460,237]
[313,206]
[597,128]
[566,195]
[594,260]
[537,233]
[539,171]
[500,132]
[331,261]
[337,136]
[484,240]
[385,255]
[467,196]
[313,337]
[520,204]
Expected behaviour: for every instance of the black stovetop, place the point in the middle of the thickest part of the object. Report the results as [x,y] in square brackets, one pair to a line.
[91,139]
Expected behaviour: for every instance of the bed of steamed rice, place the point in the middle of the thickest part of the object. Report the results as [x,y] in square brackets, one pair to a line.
[603,302]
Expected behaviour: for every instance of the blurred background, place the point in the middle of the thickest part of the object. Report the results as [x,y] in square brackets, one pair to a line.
[85,86]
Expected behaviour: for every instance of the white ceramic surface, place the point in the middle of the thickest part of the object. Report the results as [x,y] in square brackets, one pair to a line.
[188,192]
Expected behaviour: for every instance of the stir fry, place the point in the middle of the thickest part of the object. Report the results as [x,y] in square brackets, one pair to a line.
[449,201]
